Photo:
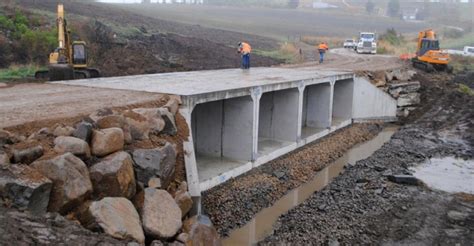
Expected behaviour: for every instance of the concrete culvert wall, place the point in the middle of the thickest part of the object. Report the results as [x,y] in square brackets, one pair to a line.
[316,109]
[278,125]
[343,101]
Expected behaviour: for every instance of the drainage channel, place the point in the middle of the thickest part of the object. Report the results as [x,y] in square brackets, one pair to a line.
[262,224]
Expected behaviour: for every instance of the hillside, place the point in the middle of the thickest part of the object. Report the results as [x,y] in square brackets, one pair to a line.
[123,43]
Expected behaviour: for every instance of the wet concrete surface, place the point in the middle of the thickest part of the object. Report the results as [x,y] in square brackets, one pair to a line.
[262,224]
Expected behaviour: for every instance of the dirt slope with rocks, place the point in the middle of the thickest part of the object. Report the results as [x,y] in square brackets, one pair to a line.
[362,206]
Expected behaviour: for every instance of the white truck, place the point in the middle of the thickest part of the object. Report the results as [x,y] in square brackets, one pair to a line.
[467,51]
[367,43]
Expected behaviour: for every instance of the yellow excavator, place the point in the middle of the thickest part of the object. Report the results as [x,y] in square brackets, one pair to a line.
[69,60]
[429,57]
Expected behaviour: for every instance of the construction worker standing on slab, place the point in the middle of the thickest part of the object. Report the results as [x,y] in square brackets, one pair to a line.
[244,50]
[322,48]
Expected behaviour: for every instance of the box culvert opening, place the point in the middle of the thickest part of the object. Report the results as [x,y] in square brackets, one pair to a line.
[316,109]
[222,134]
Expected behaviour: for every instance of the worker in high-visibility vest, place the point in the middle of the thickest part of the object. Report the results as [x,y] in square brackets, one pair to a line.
[322,48]
[245,49]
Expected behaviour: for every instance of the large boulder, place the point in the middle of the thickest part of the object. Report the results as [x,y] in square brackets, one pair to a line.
[408,99]
[400,75]
[170,124]
[114,176]
[117,121]
[4,158]
[117,217]
[201,231]
[25,188]
[172,105]
[161,216]
[6,137]
[107,141]
[153,116]
[158,162]
[62,130]
[183,198]
[27,155]
[71,182]
[404,88]
[139,126]
[83,131]
[73,145]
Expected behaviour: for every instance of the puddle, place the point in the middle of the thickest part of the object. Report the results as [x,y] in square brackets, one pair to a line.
[447,174]
[262,224]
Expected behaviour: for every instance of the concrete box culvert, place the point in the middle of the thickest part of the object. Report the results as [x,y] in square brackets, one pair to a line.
[232,114]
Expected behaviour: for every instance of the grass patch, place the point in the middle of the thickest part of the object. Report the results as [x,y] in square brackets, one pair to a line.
[288,53]
[466,90]
[461,63]
[18,72]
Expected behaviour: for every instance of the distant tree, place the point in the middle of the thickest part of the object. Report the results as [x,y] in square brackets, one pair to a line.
[370,6]
[393,8]
[293,3]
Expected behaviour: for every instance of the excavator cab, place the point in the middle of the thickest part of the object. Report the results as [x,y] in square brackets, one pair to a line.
[427,45]
[79,54]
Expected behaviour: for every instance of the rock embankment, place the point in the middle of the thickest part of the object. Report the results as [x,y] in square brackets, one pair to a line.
[401,85]
[113,171]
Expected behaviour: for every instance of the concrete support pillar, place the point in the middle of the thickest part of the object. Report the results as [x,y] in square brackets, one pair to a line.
[192,175]
[301,113]
[333,81]
[256,94]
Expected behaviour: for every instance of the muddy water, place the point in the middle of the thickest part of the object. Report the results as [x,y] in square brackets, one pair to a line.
[262,224]
[447,174]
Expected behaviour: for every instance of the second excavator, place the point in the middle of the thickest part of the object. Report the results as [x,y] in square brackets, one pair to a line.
[429,57]
[69,60]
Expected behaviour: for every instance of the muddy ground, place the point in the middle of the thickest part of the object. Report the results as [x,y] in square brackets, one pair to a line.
[362,207]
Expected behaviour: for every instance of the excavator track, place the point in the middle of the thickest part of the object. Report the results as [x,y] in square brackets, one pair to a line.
[58,72]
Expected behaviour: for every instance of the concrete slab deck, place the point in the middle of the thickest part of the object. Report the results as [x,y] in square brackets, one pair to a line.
[203,82]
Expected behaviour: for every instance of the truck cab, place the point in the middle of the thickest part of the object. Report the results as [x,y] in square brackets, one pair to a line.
[367,43]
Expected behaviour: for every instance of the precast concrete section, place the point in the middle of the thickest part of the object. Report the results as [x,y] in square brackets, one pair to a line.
[239,120]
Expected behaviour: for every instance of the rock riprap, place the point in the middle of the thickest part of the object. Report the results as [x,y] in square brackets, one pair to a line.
[161,216]
[113,176]
[71,182]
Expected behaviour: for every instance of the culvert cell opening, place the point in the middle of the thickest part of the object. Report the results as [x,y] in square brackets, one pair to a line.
[278,120]
[343,100]
[222,135]
[316,109]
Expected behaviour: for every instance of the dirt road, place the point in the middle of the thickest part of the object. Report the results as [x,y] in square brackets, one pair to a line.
[347,59]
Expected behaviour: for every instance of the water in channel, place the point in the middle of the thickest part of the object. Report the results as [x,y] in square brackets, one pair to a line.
[262,224]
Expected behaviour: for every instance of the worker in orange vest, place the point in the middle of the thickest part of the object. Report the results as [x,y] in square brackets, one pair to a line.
[245,49]
[322,48]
